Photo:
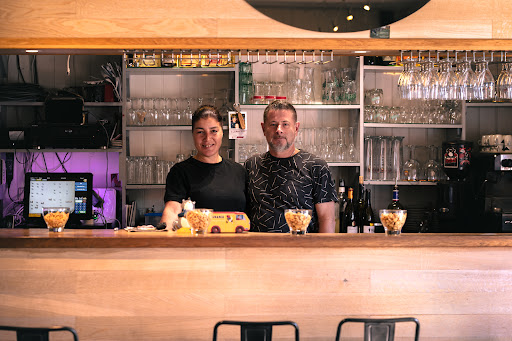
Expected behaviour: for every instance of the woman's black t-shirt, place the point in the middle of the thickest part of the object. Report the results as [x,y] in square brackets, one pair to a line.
[218,186]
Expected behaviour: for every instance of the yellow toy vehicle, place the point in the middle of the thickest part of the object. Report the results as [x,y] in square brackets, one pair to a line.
[237,222]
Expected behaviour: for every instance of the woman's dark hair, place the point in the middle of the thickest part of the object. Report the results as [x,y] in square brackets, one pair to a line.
[206,111]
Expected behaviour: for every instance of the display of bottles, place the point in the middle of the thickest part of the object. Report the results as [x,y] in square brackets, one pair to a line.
[342,201]
[395,204]
[360,206]
[349,218]
[368,217]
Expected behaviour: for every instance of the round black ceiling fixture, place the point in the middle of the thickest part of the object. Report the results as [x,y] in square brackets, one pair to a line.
[337,15]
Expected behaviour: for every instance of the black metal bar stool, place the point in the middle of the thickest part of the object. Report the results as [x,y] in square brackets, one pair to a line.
[256,331]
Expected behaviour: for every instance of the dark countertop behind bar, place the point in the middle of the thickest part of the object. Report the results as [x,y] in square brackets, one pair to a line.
[94,238]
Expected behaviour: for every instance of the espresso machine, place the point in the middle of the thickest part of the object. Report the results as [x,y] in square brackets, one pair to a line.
[456,201]
[493,170]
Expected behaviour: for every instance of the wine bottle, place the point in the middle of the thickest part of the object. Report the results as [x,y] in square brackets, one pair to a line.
[360,206]
[349,219]
[369,218]
[342,202]
[395,203]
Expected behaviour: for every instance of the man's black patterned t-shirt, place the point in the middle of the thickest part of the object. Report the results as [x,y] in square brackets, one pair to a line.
[275,184]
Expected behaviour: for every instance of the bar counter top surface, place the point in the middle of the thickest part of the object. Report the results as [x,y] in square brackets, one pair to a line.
[99,238]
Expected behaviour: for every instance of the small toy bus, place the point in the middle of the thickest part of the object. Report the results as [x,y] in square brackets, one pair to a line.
[236,222]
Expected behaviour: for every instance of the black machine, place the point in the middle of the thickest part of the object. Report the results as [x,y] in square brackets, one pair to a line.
[456,204]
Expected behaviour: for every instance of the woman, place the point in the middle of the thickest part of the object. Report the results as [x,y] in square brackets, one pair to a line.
[207,178]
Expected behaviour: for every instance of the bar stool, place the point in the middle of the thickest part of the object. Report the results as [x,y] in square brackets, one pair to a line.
[379,329]
[38,334]
[256,331]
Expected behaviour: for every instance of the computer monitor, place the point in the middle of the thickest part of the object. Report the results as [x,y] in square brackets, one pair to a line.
[73,190]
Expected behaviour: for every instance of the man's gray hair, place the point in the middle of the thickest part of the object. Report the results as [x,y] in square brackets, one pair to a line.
[279,105]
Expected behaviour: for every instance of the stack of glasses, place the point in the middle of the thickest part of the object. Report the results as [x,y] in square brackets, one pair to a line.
[246,83]
[338,87]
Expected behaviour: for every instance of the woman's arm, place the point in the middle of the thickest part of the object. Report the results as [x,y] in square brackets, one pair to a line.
[170,213]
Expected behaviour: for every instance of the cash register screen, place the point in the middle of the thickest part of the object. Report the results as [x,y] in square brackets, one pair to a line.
[73,190]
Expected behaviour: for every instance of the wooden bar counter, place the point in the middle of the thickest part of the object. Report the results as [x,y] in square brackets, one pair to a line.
[118,285]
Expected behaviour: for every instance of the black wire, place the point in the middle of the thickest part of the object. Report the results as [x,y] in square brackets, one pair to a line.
[45,165]
[19,68]
[61,163]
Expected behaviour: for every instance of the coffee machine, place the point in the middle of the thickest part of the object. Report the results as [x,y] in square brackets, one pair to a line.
[493,171]
[456,196]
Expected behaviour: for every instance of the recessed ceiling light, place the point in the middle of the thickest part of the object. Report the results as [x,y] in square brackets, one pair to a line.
[361,51]
[350,17]
[366,7]
[31,51]
[335,28]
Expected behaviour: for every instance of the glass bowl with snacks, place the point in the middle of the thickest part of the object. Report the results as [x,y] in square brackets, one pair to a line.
[199,220]
[56,218]
[298,220]
[393,221]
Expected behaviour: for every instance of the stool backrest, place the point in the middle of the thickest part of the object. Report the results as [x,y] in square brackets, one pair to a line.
[379,329]
[256,331]
[38,334]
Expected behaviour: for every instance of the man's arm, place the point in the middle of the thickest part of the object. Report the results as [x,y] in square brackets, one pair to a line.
[325,213]
[170,213]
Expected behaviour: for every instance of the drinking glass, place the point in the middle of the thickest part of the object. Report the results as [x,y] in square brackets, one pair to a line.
[349,92]
[329,86]
[409,82]
[187,113]
[412,168]
[140,112]
[485,82]
[342,146]
[393,221]
[467,82]
[298,220]
[199,220]
[308,92]
[369,167]
[504,82]
[351,152]
[429,80]
[433,168]
[149,106]
[448,82]
[294,85]
[397,157]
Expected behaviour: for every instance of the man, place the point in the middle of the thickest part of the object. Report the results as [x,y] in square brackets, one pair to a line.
[286,177]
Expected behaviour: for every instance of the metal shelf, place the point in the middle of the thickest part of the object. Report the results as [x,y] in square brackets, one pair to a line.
[146,186]
[178,71]
[343,164]
[383,68]
[40,104]
[60,150]
[489,104]
[163,128]
[307,106]
[400,183]
[413,125]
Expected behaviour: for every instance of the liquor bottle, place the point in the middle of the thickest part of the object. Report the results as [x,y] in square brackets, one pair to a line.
[369,218]
[395,204]
[360,206]
[342,201]
[349,218]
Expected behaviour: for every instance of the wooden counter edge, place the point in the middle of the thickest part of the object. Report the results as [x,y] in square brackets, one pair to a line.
[35,238]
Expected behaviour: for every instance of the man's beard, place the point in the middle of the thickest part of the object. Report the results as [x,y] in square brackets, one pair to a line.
[280,147]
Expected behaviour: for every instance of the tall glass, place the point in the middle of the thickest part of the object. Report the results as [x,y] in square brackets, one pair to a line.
[467,82]
[433,168]
[412,168]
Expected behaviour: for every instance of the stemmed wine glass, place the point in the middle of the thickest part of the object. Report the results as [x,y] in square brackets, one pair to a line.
[447,80]
[485,81]
[187,113]
[351,146]
[433,168]
[467,81]
[409,82]
[412,168]
[149,106]
[429,80]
